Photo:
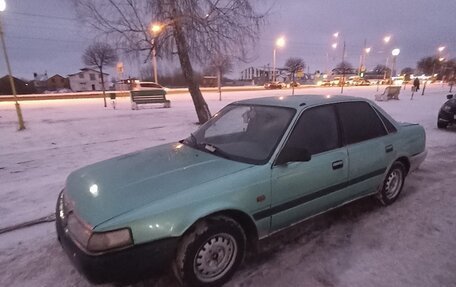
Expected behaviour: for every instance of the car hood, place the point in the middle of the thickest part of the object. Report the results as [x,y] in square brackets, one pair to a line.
[106,189]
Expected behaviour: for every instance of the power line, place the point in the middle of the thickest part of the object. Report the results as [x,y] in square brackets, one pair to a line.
[45,16]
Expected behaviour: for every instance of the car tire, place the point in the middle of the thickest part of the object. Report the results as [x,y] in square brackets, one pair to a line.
[441,124]
[210,254]
[393,183]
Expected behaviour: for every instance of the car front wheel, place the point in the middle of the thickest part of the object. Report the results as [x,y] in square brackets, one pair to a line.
[211,252]
[392,186]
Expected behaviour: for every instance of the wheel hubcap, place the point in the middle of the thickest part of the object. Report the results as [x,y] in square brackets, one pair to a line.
[215,257]
[393,184]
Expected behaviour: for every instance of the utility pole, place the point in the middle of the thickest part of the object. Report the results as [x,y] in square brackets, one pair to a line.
[343,69]
[11,80]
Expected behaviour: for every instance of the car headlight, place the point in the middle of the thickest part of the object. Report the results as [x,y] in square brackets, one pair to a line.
[102,241]
[97,241]
[446,108]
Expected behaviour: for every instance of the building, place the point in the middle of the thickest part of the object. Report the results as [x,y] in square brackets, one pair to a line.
[40,82]
[86,80]
[22,87]
[56,83]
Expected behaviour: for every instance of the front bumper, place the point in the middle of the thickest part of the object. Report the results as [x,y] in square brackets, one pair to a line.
[124,266]
[448,117]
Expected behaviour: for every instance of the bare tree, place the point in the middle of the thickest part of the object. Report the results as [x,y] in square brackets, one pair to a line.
[192,29]
[100,55]
[294,65]
[220,65]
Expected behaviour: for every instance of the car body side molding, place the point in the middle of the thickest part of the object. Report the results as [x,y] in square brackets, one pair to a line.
[309,197]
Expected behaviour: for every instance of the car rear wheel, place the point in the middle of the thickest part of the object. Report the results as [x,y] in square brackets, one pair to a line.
[441,124]
[392,186]
[210,253]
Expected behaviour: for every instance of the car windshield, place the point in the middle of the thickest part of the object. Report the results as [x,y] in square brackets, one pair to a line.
[246,133]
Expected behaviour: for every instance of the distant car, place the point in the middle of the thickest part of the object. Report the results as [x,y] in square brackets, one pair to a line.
[274,85]
[324,83]
[362,82]
[293,84]
[447,113]
[137,85]
[257,167]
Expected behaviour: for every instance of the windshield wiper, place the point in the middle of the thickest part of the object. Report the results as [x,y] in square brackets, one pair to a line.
[192,142]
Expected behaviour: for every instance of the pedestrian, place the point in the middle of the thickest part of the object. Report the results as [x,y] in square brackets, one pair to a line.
[416,84]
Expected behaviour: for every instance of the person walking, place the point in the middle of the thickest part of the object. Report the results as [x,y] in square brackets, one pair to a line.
[416,84]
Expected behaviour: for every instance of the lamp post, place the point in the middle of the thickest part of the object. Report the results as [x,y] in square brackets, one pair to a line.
[395,53]
[386,40]
[439,50]
[13,87]
[155,29]
[280,42]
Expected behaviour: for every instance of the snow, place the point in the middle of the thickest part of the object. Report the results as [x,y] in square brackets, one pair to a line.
[411,243]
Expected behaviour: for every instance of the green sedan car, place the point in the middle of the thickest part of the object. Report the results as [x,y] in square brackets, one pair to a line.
[257,167]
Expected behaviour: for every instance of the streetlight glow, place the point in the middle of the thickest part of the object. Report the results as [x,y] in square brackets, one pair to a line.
[387,39]
[2,5]
[156,28]
[368,50]
[334,46]
[336,35]
[441,59]
[395,52]
[441,48]
[280,42]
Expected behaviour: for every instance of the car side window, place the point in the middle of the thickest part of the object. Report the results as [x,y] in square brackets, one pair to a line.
[389,126]
[316,130]
[359,122]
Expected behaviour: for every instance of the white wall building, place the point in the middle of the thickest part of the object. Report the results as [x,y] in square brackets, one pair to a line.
[87,80]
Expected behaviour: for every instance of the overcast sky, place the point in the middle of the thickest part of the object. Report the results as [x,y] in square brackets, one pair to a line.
[45,35]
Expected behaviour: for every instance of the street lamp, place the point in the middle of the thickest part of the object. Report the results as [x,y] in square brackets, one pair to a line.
[362,59]
[280,42]
[439,58]
[155,29]
[13,87]
[386,39]
[395,53]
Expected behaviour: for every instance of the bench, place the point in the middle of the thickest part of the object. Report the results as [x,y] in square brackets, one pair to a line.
[391,92]
[152,96]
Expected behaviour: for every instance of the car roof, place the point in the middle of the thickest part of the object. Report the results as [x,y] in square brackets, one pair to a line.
[299,101]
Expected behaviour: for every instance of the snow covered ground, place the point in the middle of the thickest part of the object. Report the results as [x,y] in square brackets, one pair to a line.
[411,243]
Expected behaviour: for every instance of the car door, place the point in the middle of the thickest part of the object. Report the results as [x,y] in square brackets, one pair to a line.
[301,189]
[370,148]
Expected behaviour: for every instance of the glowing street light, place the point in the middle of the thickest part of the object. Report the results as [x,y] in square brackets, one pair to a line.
[441,48]
[386,39]
[336,35]
[395,52]
[13,87]
[334,45]
[280,42]
[155,29]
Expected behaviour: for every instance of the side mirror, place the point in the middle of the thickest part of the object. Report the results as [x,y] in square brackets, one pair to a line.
[449,96]
[293,155]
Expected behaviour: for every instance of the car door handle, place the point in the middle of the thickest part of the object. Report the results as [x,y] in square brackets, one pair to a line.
[389,148]
[337,164]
